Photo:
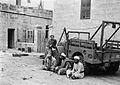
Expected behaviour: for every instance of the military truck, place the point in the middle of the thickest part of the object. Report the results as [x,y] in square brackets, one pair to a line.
[106,55]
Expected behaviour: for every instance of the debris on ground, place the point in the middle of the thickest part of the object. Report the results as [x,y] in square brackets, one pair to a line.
[27,78]
[19,54]
[16,55]
[51,73]
[2,69]
[42,56]
[3,51]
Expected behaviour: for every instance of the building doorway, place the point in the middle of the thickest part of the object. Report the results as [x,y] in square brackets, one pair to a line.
[39,41]
[11,43]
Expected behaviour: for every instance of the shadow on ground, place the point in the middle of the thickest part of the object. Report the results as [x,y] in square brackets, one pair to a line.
[100,73]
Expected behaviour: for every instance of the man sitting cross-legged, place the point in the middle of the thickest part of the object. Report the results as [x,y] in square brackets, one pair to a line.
[78,69]
[61,70]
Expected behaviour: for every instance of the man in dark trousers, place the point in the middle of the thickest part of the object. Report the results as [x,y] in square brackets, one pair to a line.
[51,45]
[52,42]
[61,70]
[51,51]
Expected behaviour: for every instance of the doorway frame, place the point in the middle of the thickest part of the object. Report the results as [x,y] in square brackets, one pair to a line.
[14,32]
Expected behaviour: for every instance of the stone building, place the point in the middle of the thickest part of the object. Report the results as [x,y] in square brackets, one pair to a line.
[24,28]
[26,3]
[85,15]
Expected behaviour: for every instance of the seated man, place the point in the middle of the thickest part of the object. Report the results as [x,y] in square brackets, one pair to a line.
[49,62]
[52,59]
[61,70]
[78,69]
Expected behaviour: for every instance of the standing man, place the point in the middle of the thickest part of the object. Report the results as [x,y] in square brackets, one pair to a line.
[51,53]
[51,45]
[78,69]
[52,42]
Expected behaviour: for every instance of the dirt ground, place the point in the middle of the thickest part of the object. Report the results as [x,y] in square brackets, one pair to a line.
[26,70]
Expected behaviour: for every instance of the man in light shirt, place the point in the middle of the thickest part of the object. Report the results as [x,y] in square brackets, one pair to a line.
[78,69]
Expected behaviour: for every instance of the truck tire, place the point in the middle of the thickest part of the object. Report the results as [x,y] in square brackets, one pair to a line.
[113,68]
[86,68]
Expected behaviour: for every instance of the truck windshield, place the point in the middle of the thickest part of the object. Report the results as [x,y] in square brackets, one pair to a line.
[79,35]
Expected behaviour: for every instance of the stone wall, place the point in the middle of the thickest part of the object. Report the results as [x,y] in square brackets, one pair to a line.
[21,18]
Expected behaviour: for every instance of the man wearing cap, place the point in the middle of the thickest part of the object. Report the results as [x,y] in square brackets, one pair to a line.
[51,47]
[51,51]
[78,69]
[61,70]
[52,42]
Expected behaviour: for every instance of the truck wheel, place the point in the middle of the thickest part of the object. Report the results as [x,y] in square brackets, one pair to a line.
[86,66]
[86,69]
[113,68]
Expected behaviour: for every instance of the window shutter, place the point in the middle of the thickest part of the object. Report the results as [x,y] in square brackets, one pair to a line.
[85,9]
[28,1]
[18,2]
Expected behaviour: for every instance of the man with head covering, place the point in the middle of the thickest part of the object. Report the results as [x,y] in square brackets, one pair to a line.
[61,70]
[78,69]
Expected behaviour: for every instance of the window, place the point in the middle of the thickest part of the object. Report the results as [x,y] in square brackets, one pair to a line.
[26,36]
[47,31]
[30,36]
[28,1]
[85,9]
[18,2]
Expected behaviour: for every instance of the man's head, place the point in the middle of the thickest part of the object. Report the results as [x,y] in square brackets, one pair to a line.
[63,56]
[76,59]
[52,36]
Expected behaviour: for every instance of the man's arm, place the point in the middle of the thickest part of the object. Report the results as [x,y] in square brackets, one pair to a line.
[62,65]
[68,66]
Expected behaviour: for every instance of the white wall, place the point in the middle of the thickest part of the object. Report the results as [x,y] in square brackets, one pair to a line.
[67,14]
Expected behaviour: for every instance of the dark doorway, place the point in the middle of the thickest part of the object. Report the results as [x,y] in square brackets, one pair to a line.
[11,38]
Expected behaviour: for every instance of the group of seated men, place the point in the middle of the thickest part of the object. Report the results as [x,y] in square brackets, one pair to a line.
[60,65]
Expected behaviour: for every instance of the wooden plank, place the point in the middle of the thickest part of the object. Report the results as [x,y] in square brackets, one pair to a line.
[113,41]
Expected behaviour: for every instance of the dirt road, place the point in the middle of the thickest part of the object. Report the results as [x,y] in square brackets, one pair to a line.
[26,70]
